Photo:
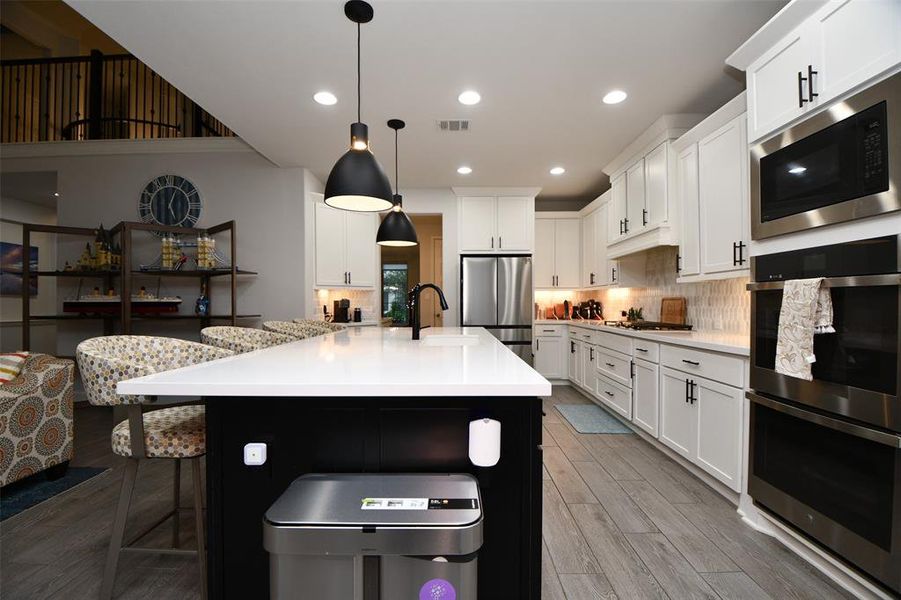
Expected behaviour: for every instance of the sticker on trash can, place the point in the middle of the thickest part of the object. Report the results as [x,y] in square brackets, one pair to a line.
[418,503]
[437,589]
[395,504]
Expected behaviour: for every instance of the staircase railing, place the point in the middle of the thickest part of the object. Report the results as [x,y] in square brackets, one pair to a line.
[95,97]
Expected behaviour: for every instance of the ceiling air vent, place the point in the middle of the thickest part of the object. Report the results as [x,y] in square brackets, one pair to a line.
[454,125]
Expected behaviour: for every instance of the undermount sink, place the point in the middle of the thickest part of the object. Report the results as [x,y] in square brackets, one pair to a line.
[450,339]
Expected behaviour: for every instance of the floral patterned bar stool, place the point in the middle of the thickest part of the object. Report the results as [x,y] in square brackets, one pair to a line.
[176,433]
[295,330]
[321,324]
[242,339]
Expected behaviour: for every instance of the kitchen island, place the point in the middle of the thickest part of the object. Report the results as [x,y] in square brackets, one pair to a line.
[366,400]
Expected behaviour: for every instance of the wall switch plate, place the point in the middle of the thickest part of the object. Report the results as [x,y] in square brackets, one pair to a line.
[255,454]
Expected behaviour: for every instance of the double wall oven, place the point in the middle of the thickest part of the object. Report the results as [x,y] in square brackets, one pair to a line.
[840,164]
[825,454]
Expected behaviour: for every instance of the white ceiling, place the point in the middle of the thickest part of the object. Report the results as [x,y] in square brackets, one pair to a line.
[541,67]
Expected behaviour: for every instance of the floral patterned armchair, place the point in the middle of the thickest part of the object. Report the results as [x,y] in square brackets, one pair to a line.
[36,426]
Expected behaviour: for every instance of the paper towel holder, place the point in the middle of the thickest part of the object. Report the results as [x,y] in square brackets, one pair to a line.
[484,442]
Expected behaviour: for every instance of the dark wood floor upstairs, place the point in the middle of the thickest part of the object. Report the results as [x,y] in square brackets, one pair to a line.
[621,520]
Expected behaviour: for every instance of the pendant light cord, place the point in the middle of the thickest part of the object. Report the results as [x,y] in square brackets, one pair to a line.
[396,170]
[359,77]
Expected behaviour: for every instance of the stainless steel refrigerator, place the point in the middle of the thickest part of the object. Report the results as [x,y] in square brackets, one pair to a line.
[496,293]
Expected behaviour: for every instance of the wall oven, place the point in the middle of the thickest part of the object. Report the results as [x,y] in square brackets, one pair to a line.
[825,455]
[841,164]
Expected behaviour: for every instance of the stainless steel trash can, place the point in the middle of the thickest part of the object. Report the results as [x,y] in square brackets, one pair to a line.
[426,530]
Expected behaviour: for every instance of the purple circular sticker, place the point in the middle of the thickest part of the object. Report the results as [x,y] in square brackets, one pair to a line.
[437,589]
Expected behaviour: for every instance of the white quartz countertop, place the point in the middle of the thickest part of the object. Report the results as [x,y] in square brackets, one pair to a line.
[359,362]
[716,341]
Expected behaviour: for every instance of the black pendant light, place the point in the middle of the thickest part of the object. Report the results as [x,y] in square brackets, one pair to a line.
[396,229]
[357,181]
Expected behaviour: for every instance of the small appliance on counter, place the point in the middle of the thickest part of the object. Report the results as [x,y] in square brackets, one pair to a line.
[358,315]
[341,311]
[588,310]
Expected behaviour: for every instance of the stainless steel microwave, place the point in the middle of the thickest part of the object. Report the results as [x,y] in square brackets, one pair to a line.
[843,163]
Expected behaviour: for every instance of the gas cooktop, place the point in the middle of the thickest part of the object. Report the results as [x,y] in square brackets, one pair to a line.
[648,325]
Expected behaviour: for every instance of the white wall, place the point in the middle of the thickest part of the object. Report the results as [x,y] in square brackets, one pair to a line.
[101,182]
[13,212]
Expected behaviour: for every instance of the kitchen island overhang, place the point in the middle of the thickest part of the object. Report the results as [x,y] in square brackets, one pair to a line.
[366,400]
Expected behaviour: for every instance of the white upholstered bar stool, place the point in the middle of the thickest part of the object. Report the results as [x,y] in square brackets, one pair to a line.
[241,339]
[176,433]
[295,330]
[328,326]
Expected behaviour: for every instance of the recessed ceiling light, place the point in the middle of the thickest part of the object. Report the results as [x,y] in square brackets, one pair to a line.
[615,97]
[464,170]
[469,97]
[558,171]
[797,170]
[325,98]
[56,194]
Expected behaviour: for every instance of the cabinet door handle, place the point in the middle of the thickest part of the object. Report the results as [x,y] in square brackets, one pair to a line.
[678,263]
[350,278]
[641,349]
[632,369]
[810,93]
[591,354]
[538,344]
[621,227]
[492,242]
[500,242]
[608,393]
[345,276]
[734,253]
[686,392]
[572,347]
[613,274]
[644,217]
[626,222]
[801,99]
[691,362]
[741,253]
[591,279]
[692,386]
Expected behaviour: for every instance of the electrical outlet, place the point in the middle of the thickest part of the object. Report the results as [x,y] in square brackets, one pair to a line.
[255,454]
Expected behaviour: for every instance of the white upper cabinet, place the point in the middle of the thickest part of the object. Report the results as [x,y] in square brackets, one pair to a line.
[616,222]
[837,48]
[723,198]
[478,224]
[496,224]
[515,223]
[856,40]
[544,259]
[656,182]
[689,260]
[556,262]
[776,90]
[635,198]
[345,248]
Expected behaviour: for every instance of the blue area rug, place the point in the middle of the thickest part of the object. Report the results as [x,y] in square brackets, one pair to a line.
[591,418]
[33,490]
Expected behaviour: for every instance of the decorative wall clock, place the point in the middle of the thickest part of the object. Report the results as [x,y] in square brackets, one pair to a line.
[170,200]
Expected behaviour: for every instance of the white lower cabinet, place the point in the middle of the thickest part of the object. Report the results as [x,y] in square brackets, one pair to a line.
[645,387]
[548,356]
[719,410]
[678,420]
[700,419]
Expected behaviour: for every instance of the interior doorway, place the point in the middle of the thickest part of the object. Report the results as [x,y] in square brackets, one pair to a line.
[404,267]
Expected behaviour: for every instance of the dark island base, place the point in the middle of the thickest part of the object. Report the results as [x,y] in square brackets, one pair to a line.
[390,435]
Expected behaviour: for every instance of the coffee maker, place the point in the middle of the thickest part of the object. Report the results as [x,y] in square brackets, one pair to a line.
[342,311]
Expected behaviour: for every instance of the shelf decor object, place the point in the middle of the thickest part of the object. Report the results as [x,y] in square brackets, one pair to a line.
[396,228]
[357,182]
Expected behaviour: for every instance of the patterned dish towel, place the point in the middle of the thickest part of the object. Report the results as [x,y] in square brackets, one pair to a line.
[806,310]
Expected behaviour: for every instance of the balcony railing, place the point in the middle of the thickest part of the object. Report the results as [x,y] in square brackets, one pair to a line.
[96,97]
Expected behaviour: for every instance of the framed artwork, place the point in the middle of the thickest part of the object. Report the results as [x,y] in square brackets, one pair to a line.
[11,257]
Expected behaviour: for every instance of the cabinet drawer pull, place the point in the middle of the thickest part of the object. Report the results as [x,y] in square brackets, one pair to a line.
[608,393]
[641,349]
[611,365]
[691,362]
[548,330]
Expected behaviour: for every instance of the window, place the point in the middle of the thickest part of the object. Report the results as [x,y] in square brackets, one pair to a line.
[394,293]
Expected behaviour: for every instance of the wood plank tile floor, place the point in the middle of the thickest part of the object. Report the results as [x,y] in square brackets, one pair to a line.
[621,520]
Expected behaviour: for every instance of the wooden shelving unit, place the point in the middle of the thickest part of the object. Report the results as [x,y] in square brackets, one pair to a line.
[127,273]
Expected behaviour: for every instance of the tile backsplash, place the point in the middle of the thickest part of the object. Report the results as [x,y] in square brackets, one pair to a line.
[723,305]
[366,300]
